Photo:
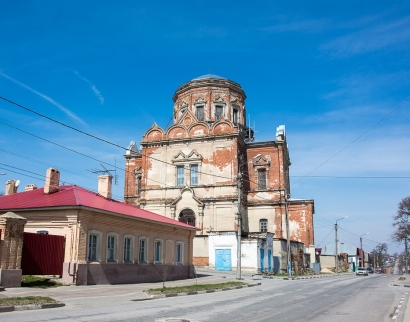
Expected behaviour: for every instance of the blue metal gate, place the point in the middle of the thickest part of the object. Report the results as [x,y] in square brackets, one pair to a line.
[262,258]
[223,260]
[270,260]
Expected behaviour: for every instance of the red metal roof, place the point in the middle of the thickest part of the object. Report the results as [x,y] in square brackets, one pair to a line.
[74,196]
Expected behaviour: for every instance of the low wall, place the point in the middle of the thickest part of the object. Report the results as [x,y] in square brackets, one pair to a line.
[106,273]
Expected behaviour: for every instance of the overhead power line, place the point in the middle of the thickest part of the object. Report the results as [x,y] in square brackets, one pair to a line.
[356,139]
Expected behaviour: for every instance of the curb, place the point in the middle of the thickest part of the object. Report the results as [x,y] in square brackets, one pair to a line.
[397,311]
[30,307]
[306,277]
[161,296]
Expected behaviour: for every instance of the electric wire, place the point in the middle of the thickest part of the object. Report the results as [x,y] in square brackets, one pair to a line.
[356,139]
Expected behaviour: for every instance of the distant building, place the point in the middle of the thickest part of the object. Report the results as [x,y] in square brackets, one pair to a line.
[189,172]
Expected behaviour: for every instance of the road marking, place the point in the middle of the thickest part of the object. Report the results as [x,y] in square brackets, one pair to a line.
[396,313]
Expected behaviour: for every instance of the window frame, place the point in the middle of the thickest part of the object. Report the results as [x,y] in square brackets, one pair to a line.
[262,184]
[263,225]
[115,248]
[235,115]
[160,242]
[179,261]
[180,175]
[191,172]
[131,249]
[98,238]
[197,114]
[144,258]
[216,112]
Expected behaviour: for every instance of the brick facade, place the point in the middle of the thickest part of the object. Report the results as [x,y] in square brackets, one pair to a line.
[210,134]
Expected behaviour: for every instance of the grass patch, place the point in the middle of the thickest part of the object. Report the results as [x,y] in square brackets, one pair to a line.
[192,288]
[11,301]
[38,282]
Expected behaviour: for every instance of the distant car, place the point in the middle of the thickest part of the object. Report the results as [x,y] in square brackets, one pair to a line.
[362,271]
[370,270]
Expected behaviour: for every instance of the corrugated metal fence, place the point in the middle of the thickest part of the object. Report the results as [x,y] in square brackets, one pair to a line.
[42,254]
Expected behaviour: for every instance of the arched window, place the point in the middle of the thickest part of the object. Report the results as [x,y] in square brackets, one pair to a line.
[187,216]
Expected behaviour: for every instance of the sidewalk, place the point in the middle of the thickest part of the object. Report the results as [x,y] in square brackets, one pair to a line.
[404,281]
[100,295]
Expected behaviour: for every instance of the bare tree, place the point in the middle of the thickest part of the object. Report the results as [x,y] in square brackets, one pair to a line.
[380,251]
[401,222]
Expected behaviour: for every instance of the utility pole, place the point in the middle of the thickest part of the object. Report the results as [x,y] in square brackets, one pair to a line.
[287,234]
[239,232]
[361,248]
[336,248]
[405,250]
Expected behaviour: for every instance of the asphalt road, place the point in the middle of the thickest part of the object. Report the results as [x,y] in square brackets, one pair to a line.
[343,298]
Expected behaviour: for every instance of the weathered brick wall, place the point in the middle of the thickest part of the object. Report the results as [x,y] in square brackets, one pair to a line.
[11,240]
[201,261]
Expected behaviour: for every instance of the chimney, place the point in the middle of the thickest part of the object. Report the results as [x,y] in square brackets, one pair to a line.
[11,187]
[30,187]
[105,186]
[52,181]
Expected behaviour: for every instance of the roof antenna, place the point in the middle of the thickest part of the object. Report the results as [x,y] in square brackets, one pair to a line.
[107,171]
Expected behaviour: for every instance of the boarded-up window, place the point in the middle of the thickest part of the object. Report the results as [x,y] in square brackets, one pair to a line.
[262,179]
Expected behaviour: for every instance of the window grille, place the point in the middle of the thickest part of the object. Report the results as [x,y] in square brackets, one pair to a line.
[263,225]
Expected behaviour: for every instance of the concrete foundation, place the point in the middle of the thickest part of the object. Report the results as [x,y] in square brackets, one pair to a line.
[101,273]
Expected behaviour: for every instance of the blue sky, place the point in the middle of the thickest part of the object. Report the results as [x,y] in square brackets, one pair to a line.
[333,74]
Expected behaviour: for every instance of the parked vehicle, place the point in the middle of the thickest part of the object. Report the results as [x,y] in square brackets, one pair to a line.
[362,271]
[370,270]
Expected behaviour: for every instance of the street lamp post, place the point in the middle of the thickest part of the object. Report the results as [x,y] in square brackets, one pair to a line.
[336,250]
[361,248]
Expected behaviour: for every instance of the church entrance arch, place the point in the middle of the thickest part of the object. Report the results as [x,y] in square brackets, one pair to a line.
[187,216]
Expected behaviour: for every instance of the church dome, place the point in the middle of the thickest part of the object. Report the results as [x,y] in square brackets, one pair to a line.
[209,76]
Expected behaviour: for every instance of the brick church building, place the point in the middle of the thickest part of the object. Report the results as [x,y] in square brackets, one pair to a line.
[189,171]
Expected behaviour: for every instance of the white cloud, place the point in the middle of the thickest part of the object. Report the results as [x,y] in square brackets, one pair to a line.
[92,86]
[47,98]
[370,39]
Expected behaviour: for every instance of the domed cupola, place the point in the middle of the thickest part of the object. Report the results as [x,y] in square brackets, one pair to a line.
[210,98]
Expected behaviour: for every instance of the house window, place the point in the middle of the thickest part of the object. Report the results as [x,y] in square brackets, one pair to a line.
[194,174]
[180,176]
[187,216]
[263,225]
[179,253]
[138,185]
[158,251]
[42,232]
[94,245]
[143,250]
[235,116]
[112,242]
[261,179]
[200,113]
[218,112]
[128,249]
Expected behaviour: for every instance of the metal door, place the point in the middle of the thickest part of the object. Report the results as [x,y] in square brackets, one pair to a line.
[269,260]
[42,254]
[223,259]
[262,258]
